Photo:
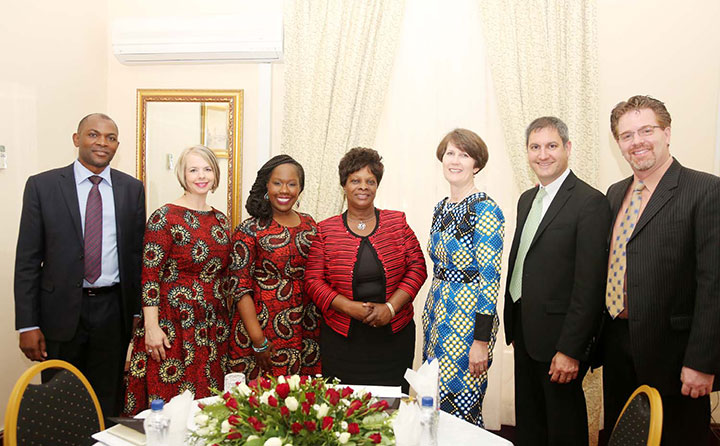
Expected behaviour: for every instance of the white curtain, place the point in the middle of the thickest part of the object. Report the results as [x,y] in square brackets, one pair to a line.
[339,57]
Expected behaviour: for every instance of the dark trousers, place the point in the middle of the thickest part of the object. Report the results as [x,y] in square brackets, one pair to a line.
[97,349]
[686,421]
[546,413]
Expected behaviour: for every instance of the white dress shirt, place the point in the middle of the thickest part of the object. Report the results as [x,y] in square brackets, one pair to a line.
[552,190]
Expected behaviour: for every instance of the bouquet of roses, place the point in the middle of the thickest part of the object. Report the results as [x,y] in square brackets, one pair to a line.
[293,411]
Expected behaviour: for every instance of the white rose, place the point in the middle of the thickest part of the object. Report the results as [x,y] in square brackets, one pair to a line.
[281,379]
[264,397]
[345,402]
[344,437]
[344,425]
[251,437]
[274,441]
[294,382]
[244,389]
[322,410]
[225,427]
[291,403]
[203,431]
[201,419]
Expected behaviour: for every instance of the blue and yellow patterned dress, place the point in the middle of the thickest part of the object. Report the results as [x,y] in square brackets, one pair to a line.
[466,242]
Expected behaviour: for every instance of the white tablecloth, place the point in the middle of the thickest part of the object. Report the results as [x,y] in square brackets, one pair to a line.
[452,431]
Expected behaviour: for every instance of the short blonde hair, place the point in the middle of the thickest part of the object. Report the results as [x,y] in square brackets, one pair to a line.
[207,155]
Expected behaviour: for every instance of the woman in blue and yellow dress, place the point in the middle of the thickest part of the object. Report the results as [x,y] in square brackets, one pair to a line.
[466,240]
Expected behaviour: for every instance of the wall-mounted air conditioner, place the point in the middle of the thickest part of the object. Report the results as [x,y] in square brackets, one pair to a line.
[255,37]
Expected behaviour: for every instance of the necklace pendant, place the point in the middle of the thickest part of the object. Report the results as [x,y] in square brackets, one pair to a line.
[361,225]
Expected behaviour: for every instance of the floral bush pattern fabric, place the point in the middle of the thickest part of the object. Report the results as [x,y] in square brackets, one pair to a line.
[185,258]
[268,261]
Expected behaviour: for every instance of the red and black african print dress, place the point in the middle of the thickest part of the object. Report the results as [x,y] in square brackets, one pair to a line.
[185,258]
[268,261]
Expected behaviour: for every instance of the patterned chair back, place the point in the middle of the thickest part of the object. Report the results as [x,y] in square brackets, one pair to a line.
[62,411]
[640,422]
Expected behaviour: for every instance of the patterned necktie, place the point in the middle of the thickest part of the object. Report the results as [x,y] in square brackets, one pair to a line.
[616,269]
[93,232]
[528,233]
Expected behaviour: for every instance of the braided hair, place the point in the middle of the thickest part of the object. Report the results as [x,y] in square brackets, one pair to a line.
[257,205]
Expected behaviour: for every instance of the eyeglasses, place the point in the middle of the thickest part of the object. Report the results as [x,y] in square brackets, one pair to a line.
[642,132]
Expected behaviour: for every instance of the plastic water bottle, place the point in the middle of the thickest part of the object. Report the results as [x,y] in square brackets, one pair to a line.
[157,425]
[428,422]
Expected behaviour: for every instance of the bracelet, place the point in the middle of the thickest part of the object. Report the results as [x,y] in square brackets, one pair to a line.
[262,348]
[392,310]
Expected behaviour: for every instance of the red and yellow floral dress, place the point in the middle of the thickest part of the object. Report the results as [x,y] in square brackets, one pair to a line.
[268,262]
[185,258]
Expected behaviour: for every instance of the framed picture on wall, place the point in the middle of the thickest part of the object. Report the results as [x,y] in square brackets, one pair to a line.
[215,119]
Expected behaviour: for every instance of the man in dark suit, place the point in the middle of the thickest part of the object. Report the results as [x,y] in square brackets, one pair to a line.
[554,293]
[662,324]
[77,267]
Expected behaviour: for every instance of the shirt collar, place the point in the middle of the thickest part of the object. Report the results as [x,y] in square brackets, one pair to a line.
[552,188]
[652,180]
[82,173]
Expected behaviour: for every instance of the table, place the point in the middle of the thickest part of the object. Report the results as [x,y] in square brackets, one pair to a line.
[452,431]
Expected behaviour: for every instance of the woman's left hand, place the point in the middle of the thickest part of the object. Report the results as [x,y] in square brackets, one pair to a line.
[478,358]
[379,315]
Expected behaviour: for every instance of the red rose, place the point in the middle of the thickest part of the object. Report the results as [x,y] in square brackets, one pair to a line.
[376,437]
[283,390]
[252,420]
[234,420]
[284,411]
[305,407]
[227,396]
[201,406]
[272,401]
[327,423]
[304,379]
[265,383]
[353,428]
[355,405]
[380,405]
[232,404]
[253,401]
[310,397]
[234,435]
[346,392]
[367,396]
[310,425]
[296,428]
[333,396]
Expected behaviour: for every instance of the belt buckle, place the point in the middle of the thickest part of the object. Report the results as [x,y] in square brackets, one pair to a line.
[91,292]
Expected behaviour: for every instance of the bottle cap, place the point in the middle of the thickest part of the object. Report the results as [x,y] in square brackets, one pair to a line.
[427,401]
[158,404]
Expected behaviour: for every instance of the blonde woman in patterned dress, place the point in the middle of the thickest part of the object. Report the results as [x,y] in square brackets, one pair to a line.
[181,342]
[466,240]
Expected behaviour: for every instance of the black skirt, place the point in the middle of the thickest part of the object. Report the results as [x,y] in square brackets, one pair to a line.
[369,355]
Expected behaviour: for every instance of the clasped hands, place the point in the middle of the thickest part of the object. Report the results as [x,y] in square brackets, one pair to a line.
[371,313]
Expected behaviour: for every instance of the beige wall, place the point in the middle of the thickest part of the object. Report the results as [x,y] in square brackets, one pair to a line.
[47,83]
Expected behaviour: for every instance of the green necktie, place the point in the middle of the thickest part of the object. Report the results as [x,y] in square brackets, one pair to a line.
[616,269]
[531,225]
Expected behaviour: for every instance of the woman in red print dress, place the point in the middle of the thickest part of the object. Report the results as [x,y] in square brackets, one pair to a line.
[275,327]
[182,341]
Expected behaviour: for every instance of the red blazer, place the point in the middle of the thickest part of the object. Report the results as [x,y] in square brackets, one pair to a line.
[330,265]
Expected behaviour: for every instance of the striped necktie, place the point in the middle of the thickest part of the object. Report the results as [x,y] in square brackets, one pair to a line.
[93,232]
[528,233]
[617,266]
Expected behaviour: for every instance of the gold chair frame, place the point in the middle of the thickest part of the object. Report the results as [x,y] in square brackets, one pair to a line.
[13,406]
[656,413]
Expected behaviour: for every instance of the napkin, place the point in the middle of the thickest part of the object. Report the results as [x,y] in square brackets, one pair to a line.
[405,424]
[178,410]
[425,380]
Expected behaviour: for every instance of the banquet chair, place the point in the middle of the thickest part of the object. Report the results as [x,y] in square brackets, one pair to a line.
[62,411]
[640,422]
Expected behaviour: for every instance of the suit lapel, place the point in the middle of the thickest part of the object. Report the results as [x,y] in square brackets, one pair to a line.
[69,193]
[523,211]
[562,196]
[662,194]
[120,199]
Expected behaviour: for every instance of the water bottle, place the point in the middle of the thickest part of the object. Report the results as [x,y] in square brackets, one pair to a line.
[428,422]
[157,425]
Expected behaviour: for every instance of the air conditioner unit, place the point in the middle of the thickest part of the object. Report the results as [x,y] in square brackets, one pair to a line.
[254,37]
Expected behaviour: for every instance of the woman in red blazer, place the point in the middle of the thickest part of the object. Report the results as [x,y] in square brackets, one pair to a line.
[363,271]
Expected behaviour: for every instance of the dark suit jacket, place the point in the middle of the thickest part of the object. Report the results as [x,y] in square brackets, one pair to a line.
[563,286]
[673,278]
[49,267]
